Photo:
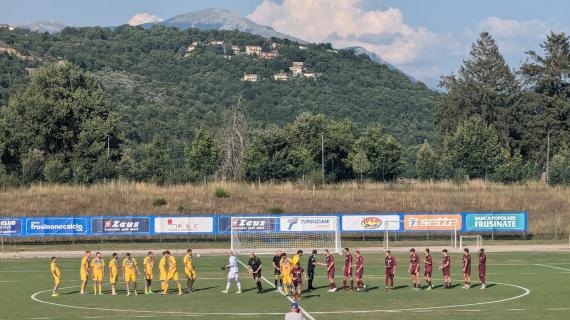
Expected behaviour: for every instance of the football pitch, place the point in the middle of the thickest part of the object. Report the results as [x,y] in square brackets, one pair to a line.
[521,285]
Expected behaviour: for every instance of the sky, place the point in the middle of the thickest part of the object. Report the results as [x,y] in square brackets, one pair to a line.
[424,38]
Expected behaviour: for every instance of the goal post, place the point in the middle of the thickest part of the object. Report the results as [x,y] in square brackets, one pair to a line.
[267,234]
[477,238]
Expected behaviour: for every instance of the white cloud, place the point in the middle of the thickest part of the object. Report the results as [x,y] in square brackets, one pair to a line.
[141,18]
[346,23]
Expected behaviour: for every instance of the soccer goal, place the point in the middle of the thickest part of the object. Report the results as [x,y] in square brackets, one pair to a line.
[469,239]
[287,233]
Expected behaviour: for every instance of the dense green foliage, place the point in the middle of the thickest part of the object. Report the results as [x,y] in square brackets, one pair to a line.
[133,104]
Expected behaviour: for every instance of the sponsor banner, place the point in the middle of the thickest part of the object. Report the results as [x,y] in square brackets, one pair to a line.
[507,221]
[432,222]
[10,227]
[183,225]
[115,225]
[56,226]
[308,223]
[371,222]
[246,224]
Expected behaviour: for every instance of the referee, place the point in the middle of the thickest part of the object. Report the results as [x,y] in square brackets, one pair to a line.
[311,269]
[255,264]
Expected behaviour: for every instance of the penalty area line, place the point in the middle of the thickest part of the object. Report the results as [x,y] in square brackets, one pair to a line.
[308,315]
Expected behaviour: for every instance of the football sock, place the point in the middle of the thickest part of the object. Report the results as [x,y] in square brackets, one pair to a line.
[188,284]
[344,284]
[239,286]
[310,284]
[165,287]
[228,285]
[275,281]
[179,287]
[100,288]
[351,284]
[95,288]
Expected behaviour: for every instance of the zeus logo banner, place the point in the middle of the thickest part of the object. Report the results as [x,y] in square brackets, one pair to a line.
[120,225]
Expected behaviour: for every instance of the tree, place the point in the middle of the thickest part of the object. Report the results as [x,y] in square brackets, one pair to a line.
[427,163]
[513,169]
[383,152]
[474,148]
[155,164]
[484,86]
[234,144]
[60,113]
[560,168]
[547,104]
[204,155]
[359,162]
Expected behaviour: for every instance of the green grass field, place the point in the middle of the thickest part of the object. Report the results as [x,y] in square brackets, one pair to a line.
[520,288]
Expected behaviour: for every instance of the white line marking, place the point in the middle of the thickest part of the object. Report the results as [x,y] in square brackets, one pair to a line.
[515,309]
[528,272]
[553,267]
[288,298]
[557,309]
[187,313]
[525,293]
[473,310]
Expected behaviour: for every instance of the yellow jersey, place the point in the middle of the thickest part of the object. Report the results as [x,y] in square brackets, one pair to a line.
[148,264]
[188,264]
[285,265]
[162,265]
[85,264]
[55,270]
[171,265]
[114,266]
[296,259]
[130,266]
[98,265]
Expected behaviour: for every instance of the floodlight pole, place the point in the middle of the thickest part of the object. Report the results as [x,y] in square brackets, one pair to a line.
[323,156]
[547,158]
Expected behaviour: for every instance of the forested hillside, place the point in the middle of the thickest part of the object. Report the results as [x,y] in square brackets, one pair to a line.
[171,106]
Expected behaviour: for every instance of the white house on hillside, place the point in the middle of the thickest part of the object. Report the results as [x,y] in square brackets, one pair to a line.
[251,50]
[297,68]
[250,77]
[281,76]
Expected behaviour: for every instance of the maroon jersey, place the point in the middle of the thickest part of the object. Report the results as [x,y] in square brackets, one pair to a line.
[467,262]
[445,270]
[297,273]
[359,262]
[348,261]
[329,261]
[482,261]
[428,263]
[415,263]
[390,262]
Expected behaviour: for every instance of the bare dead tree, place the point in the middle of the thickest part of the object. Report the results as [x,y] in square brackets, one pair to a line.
[234,141]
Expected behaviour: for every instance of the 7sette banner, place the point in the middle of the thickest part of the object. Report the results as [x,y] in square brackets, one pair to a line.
[433,222]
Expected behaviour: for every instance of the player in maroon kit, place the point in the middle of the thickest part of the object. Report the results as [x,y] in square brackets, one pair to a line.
[428,265]
[482,267]
[390,263]
[360,286]
[329,263]
[466,262]
[347,269]
[446,269]
[297,274]
[414,269]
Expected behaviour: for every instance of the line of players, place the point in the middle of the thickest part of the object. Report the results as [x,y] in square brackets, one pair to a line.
[95,269]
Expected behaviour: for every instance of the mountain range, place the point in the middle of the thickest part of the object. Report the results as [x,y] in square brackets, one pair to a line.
[217,19]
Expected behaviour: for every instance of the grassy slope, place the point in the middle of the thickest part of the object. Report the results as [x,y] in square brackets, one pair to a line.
[548,207]
[30,276]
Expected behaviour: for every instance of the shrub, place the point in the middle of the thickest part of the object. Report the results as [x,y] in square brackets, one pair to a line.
[275,209]
[220,192]
[159,202]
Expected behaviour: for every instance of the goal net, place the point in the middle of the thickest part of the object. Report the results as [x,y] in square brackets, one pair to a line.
[287,233]
[476,240]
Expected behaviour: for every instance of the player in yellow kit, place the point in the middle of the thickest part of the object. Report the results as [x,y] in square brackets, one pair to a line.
[131,270]
[98,267]
[114,267]
[163,270]
[189,270]
[56,273]
[172,274]
[297,258]
[84,270]
[286,265]
[148,264]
